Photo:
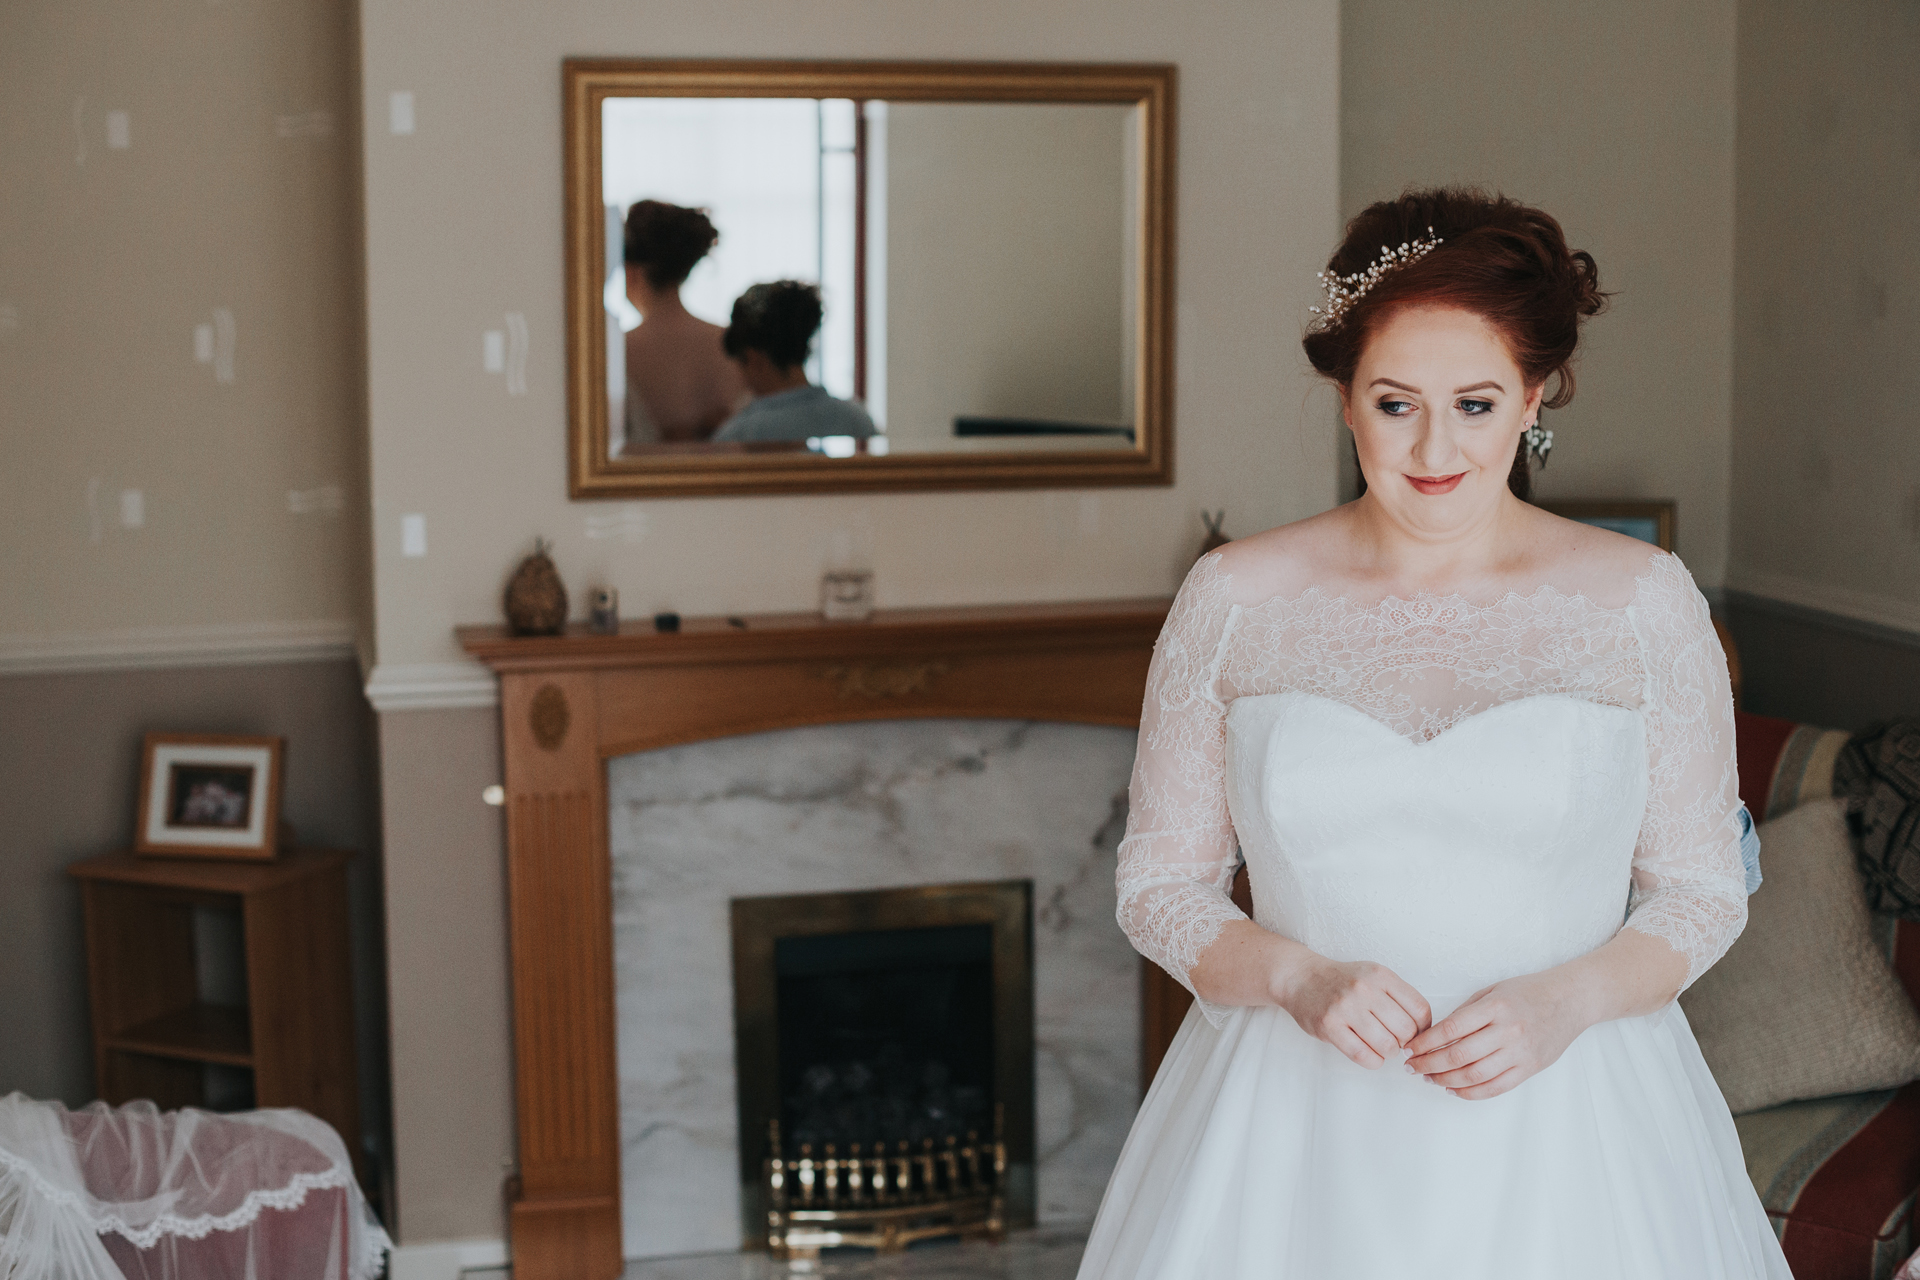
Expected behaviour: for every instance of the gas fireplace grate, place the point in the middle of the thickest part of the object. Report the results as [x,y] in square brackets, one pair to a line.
[884,1196]
[884,1057]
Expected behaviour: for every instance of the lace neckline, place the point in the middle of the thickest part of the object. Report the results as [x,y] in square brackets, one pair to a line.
[1428,602]
[1419,665]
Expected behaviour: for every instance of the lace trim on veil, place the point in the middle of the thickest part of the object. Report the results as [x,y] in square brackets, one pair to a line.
[290,1196]
[21,1179]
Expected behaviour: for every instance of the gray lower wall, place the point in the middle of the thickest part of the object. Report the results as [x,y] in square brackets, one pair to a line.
[70,755]
[1817,668]
[447,945]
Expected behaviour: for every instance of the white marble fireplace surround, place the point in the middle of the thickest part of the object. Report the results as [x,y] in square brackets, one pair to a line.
[848,807]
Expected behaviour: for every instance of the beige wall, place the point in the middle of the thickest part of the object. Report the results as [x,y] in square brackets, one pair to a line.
[225,610]
[1826,461]
[1005,263]
[464,226]
[236,193]
[1618,119]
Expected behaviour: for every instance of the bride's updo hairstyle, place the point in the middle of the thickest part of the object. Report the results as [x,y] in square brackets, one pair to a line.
[1502,260]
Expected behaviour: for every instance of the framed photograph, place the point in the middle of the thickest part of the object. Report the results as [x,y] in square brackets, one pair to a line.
[210,796]
[1647,521]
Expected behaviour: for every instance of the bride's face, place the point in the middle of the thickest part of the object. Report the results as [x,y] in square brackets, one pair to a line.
[1436,407]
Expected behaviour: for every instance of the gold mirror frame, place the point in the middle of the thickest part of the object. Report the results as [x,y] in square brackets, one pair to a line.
[591,473]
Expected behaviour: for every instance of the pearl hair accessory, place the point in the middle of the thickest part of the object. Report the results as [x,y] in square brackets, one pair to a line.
[1539,441]
[1344,291]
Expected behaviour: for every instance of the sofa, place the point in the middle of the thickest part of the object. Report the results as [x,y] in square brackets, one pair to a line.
[1837,1175]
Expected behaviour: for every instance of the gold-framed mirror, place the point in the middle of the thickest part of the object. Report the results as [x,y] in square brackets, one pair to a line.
[801,277]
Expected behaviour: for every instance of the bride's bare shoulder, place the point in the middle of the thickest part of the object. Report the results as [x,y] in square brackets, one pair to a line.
[1605,566]
[1284,561]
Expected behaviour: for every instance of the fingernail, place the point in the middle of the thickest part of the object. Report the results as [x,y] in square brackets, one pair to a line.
[1411,1071]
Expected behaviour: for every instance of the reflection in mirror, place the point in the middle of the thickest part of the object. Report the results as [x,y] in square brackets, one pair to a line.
[864,277]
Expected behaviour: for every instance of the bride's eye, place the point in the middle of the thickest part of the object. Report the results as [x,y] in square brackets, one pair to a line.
[1396,408]
[1476,408]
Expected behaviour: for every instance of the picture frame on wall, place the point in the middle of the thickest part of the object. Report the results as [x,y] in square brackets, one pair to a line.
[210,796]
[1649,520]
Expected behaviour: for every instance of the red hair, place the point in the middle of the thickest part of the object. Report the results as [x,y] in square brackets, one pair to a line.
[1504,261]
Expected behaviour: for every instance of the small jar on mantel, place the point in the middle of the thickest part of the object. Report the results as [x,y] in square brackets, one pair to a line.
[846,595]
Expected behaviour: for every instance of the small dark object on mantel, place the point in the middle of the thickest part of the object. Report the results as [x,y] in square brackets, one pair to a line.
[536,599]
[603,611]
[666,622]
[737,622]
[1216,537]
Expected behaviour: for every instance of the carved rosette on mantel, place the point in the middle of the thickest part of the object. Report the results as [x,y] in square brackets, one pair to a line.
[571,702]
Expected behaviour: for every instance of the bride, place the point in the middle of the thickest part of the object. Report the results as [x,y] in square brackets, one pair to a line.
[1455,739]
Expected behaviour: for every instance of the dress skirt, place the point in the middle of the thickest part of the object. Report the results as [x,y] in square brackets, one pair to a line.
[1263,1153]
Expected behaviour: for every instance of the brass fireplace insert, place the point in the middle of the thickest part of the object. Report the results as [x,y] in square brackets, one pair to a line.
[885,1198]
[883,1047]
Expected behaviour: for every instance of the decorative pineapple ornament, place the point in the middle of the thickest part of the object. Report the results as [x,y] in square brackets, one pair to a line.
[536,599]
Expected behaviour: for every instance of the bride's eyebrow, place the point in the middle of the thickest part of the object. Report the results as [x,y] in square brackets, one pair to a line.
[1391,383]
[1481,386]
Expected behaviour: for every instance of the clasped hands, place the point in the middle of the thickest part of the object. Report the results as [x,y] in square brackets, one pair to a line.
[1502,1035]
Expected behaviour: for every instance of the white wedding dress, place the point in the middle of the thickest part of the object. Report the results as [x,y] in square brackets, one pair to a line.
[1462,792]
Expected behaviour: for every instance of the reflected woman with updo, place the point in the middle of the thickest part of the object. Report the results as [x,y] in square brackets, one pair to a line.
[680,384]
[769,338]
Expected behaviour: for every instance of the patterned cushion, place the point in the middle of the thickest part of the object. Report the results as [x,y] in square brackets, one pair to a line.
[1879,773]
[1837,1175]
[1805,1004]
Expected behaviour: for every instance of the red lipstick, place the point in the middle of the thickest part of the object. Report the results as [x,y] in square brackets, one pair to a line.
[1436,485]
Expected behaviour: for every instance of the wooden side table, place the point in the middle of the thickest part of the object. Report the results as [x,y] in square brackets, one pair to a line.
[153,1036]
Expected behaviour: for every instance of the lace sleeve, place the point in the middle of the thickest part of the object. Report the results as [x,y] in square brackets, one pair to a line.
[1179,856]
[1689,885]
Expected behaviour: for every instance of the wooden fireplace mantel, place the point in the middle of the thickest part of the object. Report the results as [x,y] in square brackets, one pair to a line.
[571,702]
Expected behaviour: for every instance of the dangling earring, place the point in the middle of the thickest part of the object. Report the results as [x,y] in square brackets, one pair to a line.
[1539,441]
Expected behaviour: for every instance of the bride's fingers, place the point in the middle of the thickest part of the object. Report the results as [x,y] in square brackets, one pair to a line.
[1380,1033]
[1462,1022]
[1354,1047]
[1475,1073]
[1461,1053]
[1493,1088]
[1396,1021]
[1409,999]
[1375,1036]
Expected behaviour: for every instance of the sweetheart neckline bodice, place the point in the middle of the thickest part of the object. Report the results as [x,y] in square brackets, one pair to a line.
[1429,671]
[1455,728]
[1501,847]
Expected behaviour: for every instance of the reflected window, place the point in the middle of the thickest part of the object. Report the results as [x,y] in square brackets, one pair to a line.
[785,182]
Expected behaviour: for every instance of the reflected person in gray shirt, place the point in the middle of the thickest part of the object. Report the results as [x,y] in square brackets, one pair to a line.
[769,337]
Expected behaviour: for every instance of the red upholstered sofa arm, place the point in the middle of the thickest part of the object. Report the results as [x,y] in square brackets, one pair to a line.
[1851,1218]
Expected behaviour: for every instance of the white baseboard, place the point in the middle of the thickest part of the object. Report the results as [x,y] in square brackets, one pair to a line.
[445,1259]
[148,648]
[431,686]
[1862,606]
